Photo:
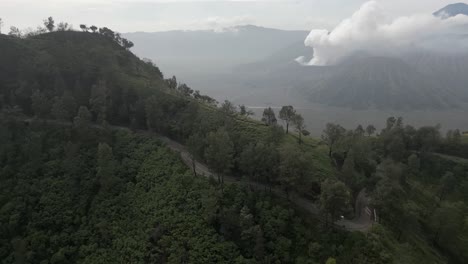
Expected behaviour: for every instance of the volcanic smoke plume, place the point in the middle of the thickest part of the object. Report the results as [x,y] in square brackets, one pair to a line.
[370,30]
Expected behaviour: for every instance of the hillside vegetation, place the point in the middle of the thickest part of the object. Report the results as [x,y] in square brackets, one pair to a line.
[60,74]
[79,190]
[91,195]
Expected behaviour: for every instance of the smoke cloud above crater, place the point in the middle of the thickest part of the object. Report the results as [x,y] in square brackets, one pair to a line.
[370,30]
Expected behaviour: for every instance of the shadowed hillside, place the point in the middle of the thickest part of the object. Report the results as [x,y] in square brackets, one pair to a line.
[84,178]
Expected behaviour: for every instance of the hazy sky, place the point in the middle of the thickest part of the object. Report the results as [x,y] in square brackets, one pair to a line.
[160,15]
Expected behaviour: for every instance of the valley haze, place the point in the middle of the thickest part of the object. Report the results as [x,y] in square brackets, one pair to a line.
[370,66]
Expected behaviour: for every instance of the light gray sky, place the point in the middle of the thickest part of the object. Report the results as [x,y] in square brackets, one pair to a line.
[161,15]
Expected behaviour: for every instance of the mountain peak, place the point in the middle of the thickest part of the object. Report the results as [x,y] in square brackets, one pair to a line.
[452,10]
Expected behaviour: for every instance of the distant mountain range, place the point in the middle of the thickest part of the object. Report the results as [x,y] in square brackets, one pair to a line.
[413,81]
[204,51]
[252,64]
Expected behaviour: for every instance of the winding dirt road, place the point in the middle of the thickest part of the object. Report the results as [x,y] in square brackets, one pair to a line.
[362,222]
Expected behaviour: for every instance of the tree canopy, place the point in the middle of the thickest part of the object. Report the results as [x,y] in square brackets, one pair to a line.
[269,116]
[287,114]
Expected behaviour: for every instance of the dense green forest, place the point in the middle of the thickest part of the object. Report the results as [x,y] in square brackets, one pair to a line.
[93,195]
[78,187]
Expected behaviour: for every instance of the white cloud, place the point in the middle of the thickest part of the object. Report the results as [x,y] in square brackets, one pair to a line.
[135,1]
[370,29]
[161,15]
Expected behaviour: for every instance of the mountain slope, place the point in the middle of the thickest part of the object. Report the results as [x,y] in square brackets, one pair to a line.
[452,10]
[381,83]
[279,59]
[448,71]
[415,81]
[433,80]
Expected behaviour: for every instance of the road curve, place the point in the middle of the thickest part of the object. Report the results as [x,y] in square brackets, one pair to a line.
[361,223]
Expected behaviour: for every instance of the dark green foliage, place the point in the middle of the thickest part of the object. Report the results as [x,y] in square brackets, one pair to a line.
[299,125]
[62,26]
[86,193]
[93,28]
[40,104]
[219,152]
[49,23]
[413,184]
[84,27]
[106,166]
[228,108]
[414,164]
[294,167]
[454,145]
[172,83]
[259,161]
[64,107]
[335,199]
[331,135]
[447,184]
[370,130]
[195,144]
[83,118]
[15,32]
[360,130]
[125,198]
[269,117]
[447,222]
[244,112]
[88,204]
[127,44]
[287,114]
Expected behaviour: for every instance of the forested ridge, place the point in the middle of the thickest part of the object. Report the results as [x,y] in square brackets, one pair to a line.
[92,194]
